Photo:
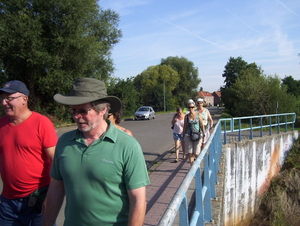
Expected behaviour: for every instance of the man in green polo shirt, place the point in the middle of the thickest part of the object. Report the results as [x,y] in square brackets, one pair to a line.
[100,169]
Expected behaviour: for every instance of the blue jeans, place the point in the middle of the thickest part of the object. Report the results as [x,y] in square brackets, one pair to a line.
[15,212]
[177,136]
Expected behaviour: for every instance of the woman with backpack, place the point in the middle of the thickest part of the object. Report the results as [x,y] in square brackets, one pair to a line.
[193,132]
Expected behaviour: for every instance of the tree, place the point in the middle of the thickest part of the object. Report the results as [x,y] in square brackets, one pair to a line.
[188,83]
[125,90]
[293,86]
[47,44]
[257,95]
[155,84]
[234,69]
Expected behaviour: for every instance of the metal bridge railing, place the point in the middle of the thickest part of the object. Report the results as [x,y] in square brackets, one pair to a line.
[254,125]
[206,167]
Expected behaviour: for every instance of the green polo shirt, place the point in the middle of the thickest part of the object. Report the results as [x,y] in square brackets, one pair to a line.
[97,177]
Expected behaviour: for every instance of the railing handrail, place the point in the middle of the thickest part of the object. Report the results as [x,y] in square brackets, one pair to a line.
[204,192]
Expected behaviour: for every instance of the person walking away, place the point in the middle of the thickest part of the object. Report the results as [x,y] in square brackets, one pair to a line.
[27,147]
[99,168]
[193,122]
[116,118]
[207,119]
[178,122]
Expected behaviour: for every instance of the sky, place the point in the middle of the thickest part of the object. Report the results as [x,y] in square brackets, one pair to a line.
[207,33]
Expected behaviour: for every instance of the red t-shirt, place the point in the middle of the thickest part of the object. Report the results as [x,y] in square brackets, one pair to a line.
[24,164]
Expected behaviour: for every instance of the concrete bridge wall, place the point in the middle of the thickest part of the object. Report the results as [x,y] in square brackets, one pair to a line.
[249,167]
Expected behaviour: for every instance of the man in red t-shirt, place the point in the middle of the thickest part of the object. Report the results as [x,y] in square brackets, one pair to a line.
[27,147]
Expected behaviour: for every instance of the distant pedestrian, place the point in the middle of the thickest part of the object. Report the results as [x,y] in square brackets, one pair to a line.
[193,121]
[178,123]
[116,118]
[207,119]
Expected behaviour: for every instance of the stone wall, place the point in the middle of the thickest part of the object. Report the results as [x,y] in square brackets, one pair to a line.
[249,167]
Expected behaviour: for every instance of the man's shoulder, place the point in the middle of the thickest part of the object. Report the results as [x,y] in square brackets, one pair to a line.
[39,116]
[69,135]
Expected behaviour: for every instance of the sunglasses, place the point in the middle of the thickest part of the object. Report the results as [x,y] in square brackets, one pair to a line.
[9,99]
[73,112]
[191,107]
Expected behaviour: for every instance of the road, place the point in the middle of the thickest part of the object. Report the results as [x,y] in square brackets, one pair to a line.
[155,135]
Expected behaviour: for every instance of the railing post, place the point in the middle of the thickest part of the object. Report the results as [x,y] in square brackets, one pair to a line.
[251,130]
[278,124]
[240,133]
[261,129]
[183,213]
[198,214]
[285,123]
[270,129]
[225,137]
[293,124]
[207,193]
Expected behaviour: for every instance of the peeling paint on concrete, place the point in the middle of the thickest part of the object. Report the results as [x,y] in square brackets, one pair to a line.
[250,166]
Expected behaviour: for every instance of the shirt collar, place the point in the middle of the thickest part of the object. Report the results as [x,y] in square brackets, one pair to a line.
[110,133]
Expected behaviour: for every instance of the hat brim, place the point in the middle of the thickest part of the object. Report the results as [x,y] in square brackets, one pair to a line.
[115,103]
[6,90]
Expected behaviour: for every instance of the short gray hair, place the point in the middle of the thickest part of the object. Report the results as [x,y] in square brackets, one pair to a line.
[100,105]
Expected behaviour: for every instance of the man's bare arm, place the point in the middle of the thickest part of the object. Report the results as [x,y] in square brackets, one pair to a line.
[137,199]
[55,198]
[50,152]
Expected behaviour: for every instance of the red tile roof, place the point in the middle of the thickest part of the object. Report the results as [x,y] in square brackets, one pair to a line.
[218,93]
[204,94]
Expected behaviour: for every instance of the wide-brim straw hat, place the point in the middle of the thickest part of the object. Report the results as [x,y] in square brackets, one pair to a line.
[86,90]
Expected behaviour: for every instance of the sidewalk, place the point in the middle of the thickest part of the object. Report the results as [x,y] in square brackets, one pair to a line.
[165,177]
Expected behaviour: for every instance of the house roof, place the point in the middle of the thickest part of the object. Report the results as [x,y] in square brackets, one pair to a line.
[218,93]
[204,94]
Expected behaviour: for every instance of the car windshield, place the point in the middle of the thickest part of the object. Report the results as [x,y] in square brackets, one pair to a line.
[143,109]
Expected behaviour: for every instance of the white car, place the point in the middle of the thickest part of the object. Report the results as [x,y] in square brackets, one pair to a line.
[144,112]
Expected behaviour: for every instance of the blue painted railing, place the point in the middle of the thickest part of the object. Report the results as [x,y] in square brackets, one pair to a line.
[206,167]
[257,129]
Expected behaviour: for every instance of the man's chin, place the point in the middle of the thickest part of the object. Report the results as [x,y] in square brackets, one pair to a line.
[83,128]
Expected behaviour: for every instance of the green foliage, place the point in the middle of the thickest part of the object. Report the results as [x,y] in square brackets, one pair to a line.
[293,159]
[126,91]
[293,86]
[225,115]
[253,93]
[235,68]
[47,44]
[188,83]
[155,84]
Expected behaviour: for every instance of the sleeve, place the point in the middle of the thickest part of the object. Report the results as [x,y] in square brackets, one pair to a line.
[48,133]
[135,170]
